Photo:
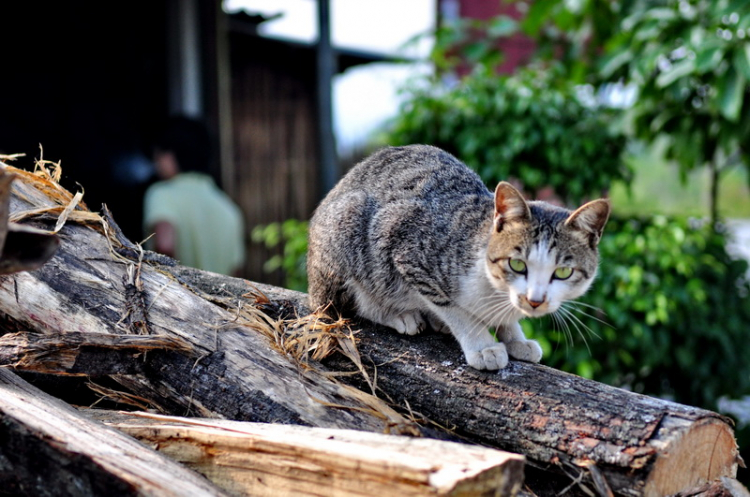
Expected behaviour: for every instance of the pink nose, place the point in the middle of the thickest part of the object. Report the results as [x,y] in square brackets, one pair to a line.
[534,304]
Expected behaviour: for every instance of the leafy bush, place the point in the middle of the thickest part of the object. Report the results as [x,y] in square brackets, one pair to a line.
[292,236]
[689,62]
[674,308]
[527,126]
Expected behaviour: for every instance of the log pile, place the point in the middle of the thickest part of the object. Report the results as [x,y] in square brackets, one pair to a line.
[196,344]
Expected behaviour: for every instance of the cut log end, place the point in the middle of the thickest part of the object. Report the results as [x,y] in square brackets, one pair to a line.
[705,452]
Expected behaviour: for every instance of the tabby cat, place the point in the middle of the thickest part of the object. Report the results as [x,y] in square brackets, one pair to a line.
[411,238]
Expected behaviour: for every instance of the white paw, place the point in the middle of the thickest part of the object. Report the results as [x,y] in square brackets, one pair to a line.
[410,323]
[525,350]
[490,358]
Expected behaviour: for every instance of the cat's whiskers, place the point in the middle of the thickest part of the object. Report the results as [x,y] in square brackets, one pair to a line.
[496,313]
[487,306]
[573,305]
[579,325]
[563,326]
[483,316]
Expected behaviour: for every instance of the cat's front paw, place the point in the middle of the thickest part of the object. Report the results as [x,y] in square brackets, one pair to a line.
[490,358]
[525,350]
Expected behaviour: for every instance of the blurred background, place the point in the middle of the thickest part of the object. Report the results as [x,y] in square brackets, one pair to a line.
[646,101]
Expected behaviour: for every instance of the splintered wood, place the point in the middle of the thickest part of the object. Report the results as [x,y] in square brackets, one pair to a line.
[50,449]
[277,460]
[225,365]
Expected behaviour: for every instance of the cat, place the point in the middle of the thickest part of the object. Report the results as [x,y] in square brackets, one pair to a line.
[411,237]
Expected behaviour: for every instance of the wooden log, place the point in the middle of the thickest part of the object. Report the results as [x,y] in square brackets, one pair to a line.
[639,445]
[723,487]
[619,441]
[50,449]
[21,248]
[277,460]
[234,370]
[82,354]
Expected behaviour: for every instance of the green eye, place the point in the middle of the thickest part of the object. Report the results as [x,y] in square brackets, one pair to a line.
[517,265]
[563,273]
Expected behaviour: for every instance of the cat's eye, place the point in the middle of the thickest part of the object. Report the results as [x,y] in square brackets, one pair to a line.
[563,273]
[517,265]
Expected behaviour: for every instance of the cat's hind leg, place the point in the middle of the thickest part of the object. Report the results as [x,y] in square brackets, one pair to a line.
[407,322]
[436,324]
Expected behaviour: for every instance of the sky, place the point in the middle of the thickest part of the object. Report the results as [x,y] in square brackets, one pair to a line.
[363,96]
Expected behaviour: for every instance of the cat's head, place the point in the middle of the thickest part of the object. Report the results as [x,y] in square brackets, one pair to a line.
[541,254]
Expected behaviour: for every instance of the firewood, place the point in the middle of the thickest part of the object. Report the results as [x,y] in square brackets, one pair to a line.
[610,440]
[233,369]
[615,440]
[82,354]
[49,449]
[21,248]
[264,459]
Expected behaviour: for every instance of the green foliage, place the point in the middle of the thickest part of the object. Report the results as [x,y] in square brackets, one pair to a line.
[292,236]
[471,42]
[669,316]
[692,76]
[525,126]
[690,60]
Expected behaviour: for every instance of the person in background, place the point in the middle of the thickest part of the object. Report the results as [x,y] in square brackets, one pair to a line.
[190,218]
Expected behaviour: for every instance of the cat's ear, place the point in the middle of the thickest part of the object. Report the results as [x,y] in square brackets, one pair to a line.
[591,218]
[509,205]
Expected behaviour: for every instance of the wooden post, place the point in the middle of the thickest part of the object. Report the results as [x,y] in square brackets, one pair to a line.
[326,65]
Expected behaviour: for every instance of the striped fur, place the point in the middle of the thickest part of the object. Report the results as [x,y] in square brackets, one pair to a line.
[412,238]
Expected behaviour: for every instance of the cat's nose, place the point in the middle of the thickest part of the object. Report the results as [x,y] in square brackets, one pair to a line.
[535,303]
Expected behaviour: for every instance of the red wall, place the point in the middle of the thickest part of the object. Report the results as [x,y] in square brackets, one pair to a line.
[517,49]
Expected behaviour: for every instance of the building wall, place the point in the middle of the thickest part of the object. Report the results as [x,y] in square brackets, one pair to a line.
[276,172]
[517,49]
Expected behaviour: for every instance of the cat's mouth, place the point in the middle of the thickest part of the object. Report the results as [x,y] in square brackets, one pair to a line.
[531,308]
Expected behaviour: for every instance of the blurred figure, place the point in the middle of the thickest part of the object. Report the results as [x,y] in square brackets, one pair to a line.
[190,218]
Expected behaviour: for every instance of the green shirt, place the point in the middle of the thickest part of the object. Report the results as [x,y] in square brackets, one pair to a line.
[208,224]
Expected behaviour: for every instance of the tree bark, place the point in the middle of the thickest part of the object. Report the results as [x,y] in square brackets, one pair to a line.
[616,441]
[49,449]
[262,459]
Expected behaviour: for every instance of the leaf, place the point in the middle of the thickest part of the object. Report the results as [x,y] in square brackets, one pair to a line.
[731,93]
[742,59]
[614,62]
[538,14]
[677,71]
[502,26]
[708,57]
[661,14]
[661,119]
